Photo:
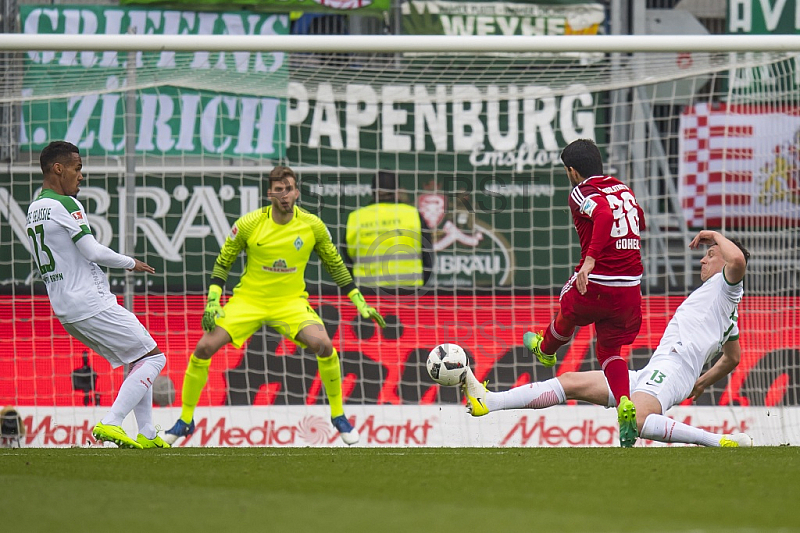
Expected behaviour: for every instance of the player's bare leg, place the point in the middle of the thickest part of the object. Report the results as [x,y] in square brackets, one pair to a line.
[194,381]
[315,337]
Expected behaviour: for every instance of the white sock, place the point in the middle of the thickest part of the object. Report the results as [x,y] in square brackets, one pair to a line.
[665,429]
[143,411]
[134,388]
[536,395]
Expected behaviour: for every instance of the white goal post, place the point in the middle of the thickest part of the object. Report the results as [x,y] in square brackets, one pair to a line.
[178,133]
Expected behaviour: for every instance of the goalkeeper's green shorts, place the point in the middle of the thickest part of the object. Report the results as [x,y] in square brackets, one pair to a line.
[288,316]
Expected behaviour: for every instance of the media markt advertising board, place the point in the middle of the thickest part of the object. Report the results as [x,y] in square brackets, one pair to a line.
[169,120]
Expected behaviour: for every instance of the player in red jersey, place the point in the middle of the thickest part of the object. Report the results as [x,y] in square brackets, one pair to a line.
[604,290]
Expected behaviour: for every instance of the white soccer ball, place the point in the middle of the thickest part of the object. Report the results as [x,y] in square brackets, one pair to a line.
[447,364]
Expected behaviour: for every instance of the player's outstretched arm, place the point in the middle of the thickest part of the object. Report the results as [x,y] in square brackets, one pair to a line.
[103,255]
[728,361]
[735,263]
[140,266]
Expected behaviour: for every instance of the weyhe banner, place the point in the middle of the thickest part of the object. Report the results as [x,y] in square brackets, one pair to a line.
[437,17]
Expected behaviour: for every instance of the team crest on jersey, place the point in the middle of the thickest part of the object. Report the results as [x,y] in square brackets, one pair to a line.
[279,267]
[587,207]
[77,215]
[298,243]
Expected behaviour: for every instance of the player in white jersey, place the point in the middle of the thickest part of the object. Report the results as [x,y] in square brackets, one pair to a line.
[67,257]
[703,326]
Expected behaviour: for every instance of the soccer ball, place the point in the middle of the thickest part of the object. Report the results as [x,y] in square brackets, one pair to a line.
[447,364]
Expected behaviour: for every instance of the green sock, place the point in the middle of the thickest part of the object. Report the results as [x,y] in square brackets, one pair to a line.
[193,383]
[331,375]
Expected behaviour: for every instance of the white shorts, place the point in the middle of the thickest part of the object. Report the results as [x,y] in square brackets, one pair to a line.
[115,333]
[666,377]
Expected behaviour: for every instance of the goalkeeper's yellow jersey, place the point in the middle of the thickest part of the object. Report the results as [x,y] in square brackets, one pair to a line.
[277,254]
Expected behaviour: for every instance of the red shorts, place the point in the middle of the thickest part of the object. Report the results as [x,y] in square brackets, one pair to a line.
[616,312]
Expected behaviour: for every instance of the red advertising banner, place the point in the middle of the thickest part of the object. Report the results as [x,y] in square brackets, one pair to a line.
[39,361]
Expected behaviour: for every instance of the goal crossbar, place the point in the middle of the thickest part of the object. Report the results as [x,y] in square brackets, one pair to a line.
[403,43]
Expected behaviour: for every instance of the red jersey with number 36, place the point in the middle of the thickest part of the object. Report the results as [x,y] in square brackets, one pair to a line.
[608,220]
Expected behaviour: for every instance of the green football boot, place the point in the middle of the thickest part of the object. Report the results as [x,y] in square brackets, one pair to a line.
[146,443]
[115,434]
[532,341]
[626,414]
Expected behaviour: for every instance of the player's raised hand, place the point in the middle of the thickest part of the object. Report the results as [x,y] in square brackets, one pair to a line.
[704,237]
[364,309]
[213,308]
[140,266]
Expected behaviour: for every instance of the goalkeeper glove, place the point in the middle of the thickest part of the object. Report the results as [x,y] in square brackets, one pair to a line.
[213,308]
[366,311]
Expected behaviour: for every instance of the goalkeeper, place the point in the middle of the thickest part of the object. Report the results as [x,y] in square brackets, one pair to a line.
[278,241]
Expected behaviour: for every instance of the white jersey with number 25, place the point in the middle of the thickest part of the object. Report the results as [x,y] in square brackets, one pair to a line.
[77,287]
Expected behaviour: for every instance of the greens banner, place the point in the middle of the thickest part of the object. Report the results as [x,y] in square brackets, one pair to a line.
[355,7]
[169,120]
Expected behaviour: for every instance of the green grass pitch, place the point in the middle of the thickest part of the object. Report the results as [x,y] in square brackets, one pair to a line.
[357,490]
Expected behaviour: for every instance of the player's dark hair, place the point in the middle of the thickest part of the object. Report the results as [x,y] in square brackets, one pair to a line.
[280,174]
[584,156]
[741,247]
[57,152]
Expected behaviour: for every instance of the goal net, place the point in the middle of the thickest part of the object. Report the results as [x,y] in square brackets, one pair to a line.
[176,145]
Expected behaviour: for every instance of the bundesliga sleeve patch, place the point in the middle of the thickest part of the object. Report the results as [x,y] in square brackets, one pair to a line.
[77,215]
[234,231]
[587,207]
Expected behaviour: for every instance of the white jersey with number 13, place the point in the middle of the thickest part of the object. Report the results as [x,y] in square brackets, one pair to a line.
[705,321]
